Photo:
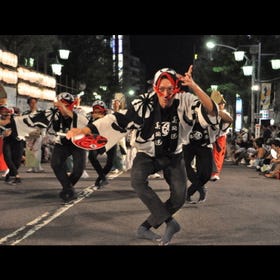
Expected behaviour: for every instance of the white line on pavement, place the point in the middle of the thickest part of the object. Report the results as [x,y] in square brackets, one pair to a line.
[31,227]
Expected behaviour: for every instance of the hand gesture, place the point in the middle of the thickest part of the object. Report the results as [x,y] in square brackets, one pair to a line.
[186,80]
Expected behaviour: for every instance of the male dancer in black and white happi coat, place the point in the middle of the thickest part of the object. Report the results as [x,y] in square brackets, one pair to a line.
[58,120]
[162,118]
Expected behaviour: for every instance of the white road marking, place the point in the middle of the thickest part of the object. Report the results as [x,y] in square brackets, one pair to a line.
[112,176]
[30,228]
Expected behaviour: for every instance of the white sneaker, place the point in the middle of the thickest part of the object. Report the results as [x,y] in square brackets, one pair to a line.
[5,173]
[215,178]
[85,175]
[154,176]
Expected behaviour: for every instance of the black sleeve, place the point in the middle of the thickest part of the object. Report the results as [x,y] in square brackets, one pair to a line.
[93,128]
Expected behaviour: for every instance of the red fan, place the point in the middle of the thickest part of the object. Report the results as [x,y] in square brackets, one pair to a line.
[88,142]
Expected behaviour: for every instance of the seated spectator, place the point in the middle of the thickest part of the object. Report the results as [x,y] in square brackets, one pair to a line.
[275,160]
[256,159]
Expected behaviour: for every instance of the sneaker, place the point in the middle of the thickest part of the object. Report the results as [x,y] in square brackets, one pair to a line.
[99,183]
[15,181]
[39,171]
[5,173]
[30,170]
[68,195]
[189,200]
[202,194]
[97,187]
[214,178]
[7,178]
[85,175]
[154,176]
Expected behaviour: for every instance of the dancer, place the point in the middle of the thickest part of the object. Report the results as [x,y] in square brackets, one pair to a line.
[162,118]
[64,119]
[219,147]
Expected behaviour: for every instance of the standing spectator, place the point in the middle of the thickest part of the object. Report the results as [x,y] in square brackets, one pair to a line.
[33,149]
[162,118]
[121,148]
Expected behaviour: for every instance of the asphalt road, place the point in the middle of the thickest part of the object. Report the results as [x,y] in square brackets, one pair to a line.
[241,209]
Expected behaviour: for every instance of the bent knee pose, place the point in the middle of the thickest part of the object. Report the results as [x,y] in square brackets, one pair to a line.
[162,118]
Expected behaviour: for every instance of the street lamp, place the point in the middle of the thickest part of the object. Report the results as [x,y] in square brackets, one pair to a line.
[64,54]
[248,70]
[57,66]
[275,64]
[238,55]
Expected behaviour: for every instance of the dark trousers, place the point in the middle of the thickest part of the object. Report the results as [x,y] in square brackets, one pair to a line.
[204,164]
[13,151]
[93,158]
[175,175]
[58,164]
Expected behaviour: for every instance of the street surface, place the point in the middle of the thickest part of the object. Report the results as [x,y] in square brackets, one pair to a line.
[241,209]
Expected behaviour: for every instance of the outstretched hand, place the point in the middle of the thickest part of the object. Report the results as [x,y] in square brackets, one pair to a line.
[187,79]
[73,132]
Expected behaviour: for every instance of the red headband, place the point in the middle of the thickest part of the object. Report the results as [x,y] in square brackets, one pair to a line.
[100,108]
[69,105]
[174,82]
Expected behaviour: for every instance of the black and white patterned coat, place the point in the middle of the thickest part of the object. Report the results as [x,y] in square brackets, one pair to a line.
[141,116]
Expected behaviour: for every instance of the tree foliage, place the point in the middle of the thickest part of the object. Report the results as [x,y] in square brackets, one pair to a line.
[30,45]
[218,66]
[90,60]
[91,63]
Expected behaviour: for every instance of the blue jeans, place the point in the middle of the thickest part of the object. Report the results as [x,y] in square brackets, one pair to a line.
[174,173]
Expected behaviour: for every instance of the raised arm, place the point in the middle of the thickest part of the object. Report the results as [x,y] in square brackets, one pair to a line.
[205,99]
[63,109]
[225,117]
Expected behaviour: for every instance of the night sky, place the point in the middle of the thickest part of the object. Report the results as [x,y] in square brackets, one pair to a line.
[159,51]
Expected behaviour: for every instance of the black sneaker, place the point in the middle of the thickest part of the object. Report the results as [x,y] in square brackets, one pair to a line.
[15,181]
[202,194]
[100,182]
[68,195]
[7,178]
[189,200]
